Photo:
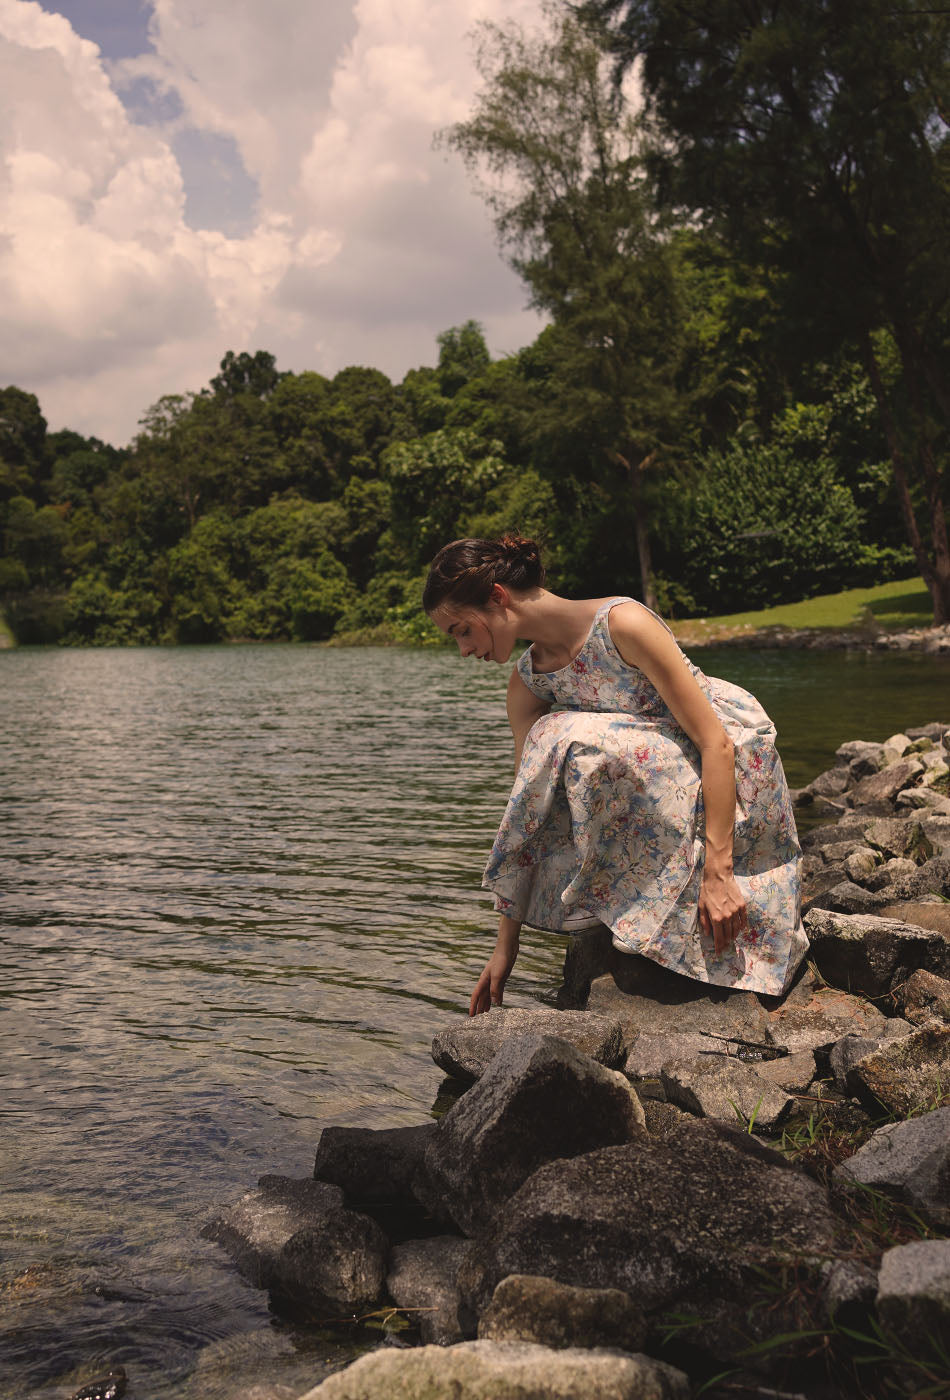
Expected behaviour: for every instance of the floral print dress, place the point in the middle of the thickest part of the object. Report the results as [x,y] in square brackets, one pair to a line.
[606,815]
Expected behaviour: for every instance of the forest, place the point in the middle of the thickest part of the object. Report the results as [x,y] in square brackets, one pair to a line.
[738,232]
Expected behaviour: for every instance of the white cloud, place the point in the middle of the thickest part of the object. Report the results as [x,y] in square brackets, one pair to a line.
[366,241]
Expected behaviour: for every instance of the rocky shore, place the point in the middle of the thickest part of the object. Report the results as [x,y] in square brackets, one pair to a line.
[661,1186]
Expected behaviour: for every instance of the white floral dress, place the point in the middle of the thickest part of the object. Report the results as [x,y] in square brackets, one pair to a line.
[606,814]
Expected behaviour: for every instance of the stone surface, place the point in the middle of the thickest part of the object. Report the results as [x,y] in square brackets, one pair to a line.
[913,1294]
[649,1053]
[793,1073]
[861,864]
[539,1099]
[466,1049]
[650,1000]
[893,870]
[296,1239]
[930,914]
[662,1117]
[527,1308]
[845,1054]
[906,1076]
[831,783]
[730,1090]
[823,1018]
[423,1277]
[868,953]
[685,1224]
[502,1371]
[924,997]
[372,1164]
[849,898]
[933,877]
[910,1161]
[849,1293]
[589,953]
[885,785]
[860,757]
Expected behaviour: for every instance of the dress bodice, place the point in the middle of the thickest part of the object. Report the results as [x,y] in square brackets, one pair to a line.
[598,678]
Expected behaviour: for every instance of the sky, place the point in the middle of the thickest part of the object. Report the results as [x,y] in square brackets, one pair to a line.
[179,178]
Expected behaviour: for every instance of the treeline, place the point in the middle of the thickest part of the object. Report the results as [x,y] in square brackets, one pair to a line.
[741,397]
[275,505]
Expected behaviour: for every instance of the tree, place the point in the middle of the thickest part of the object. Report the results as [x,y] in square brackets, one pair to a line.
[255,374]
[560,161]
[463,355]
[814,133]
[22,443]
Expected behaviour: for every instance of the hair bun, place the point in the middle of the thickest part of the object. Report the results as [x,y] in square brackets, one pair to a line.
[465,571]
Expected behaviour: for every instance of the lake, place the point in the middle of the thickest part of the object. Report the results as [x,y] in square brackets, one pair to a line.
[239,890]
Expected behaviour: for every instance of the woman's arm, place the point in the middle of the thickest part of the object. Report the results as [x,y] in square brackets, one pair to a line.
[524,710]
[644,642]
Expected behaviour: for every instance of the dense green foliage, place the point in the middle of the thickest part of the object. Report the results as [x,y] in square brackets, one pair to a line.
[715,417]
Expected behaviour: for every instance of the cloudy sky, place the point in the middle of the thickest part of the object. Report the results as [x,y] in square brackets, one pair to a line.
[183,177]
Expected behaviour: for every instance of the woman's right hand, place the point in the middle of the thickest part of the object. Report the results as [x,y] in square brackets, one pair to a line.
[490,987]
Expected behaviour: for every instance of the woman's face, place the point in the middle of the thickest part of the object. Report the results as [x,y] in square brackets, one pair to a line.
[482,632]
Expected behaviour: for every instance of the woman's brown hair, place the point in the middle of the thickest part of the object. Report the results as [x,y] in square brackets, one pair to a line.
[466,571]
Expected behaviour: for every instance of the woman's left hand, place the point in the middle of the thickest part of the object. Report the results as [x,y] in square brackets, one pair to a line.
[722,909]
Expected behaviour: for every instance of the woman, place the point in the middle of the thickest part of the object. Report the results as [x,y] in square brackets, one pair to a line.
[653,800]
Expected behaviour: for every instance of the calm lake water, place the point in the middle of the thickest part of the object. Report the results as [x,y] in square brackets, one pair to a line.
[239,891]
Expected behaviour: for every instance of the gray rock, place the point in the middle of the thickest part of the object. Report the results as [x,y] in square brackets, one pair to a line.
[727,1089]
[831,783]
[423,1277]
[910,1161]
[650,1053]
[296,1239]
[934,731]
[687,1224]
[937,831]
[899,837]
[372,1165]
[885,785]
[861,864]
[466,1049]
[871,954]
[913,1295]
[503,1371]
[922,798]
[662,1117]
[837,852]
[845,1054]
[895,747]
[793,1073]
[924,997]
[830,888]
[816,1021]
[890,873]
[895,1028]
[539,1099]
[905,1076]
[933,877]
[527,1308]
[860,757]
[849,1293]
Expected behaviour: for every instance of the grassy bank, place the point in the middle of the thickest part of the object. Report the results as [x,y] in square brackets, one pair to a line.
[888,607]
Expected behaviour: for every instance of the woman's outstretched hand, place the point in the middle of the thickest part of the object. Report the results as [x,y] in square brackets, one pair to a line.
[490,987]
[722,909]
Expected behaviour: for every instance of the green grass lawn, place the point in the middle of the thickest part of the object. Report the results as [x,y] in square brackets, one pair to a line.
[889,606]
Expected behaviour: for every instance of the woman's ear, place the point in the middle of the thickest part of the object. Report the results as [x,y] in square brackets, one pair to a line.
[499,595]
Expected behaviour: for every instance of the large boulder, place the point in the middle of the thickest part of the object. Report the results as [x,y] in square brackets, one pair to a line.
[373,1165]
[466,1049]
[871,954]
[651,1000]
[297,1239]
[528,1308]
[910,1161]
[910,1075]
[423,1278]
[897,837]
[689,1224]
[539,1099]
[486,1370]
[913,1296]
[717,1086]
